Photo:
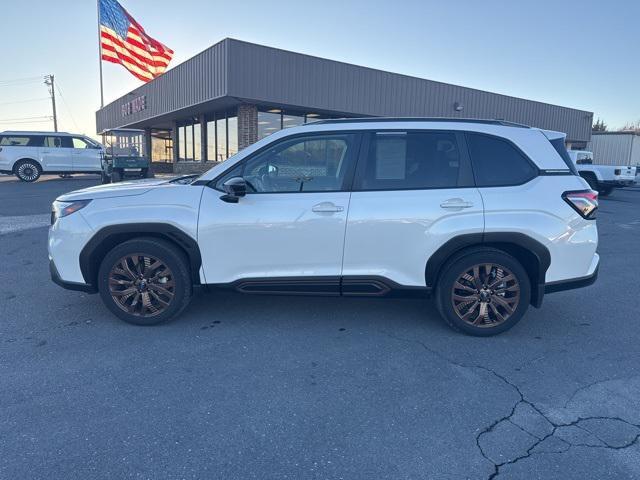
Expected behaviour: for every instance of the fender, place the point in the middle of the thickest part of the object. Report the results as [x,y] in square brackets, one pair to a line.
[536,259]
[31,159]
[108,237]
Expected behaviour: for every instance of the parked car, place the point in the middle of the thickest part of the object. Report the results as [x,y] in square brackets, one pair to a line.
[27,155]
[475,213]
[603,178]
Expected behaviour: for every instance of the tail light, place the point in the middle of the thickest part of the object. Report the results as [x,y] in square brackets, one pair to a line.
[585,202]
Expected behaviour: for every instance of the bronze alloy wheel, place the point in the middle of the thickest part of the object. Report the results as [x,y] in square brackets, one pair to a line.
[141,285]
[485,295]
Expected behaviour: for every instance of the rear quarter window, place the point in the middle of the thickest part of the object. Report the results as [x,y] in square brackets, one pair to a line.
[560,147]
[21,140]
[497,162]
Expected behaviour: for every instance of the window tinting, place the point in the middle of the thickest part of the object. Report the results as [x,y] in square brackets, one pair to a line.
[412,160]
[309,164]
[22,141]
[497,163]
[561,148]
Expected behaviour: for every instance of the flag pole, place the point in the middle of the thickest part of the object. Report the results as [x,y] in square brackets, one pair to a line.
[100,57]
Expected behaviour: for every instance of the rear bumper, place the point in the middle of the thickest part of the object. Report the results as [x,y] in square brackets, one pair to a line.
[573,283]
[79,287]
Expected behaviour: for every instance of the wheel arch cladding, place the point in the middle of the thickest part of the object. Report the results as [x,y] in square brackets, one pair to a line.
[108,237]
[25,159]
[532,255]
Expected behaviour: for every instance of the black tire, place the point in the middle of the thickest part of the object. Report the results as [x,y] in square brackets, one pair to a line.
[502,263]
[104,178]
[116,176]
[147,173]
[592,181]
[28,170]
[605,191]
[178,278]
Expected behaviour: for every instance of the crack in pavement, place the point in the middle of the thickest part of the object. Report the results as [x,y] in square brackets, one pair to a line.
[556,427]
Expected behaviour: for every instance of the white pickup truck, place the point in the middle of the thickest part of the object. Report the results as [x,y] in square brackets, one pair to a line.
[603,178]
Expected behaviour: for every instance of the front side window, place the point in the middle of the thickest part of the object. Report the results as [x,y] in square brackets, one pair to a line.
[496,162]
[80,143]
[413,160]
[304,164]
[53,142]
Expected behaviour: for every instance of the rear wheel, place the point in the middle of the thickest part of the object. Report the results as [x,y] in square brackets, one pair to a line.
[104,178]
[145,281]
[28,170]
[116,176]
[483,292]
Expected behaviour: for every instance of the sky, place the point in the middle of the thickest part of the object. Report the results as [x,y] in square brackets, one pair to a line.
[576,53]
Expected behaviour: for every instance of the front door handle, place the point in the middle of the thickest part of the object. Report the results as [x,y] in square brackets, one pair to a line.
[327,207]
[455,203]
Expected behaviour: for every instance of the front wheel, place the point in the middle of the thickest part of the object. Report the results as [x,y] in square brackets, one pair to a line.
[145,281]
[483,292]
[104,178]
[116,176]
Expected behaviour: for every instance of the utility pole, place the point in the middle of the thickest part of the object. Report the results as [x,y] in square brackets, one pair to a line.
[48,81]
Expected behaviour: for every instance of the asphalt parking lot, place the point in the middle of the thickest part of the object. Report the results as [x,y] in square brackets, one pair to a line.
[244,387]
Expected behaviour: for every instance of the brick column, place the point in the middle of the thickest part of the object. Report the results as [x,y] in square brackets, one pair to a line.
[174,138]
[203,138]
[247,125]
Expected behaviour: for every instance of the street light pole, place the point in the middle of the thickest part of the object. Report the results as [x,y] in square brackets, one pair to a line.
[48,80]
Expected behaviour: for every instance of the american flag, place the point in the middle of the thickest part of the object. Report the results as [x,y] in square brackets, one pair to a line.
[124,41]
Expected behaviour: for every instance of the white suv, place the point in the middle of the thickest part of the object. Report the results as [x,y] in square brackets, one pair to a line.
[485,216]
[29,154]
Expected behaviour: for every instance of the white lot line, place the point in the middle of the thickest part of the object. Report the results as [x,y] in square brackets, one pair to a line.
[26,222]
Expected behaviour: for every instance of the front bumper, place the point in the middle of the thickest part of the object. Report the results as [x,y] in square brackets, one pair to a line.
[79,287]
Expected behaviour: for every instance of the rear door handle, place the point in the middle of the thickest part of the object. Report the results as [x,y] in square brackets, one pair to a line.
[454,203]
[327,207]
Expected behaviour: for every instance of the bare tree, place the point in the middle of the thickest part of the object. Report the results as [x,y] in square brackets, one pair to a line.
[631,127]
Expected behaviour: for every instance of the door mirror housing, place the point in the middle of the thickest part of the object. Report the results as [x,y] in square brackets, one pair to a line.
[234,188]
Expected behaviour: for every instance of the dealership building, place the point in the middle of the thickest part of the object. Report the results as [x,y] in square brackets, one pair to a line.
[235,93]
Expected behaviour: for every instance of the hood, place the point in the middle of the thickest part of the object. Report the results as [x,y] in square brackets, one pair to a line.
[120,189]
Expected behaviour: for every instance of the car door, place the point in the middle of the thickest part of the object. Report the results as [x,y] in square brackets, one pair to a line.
[56,154]
[413,192]
[86,156]
[287,233]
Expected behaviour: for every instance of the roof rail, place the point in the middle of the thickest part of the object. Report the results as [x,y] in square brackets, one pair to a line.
[417,119]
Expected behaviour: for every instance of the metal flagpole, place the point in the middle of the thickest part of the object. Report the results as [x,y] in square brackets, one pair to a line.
[100,57]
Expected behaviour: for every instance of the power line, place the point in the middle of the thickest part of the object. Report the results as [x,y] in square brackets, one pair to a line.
[66,106]
[18,119]
[19,80]
[25,101]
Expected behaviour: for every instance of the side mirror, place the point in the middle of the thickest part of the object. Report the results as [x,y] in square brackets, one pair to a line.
[234,188]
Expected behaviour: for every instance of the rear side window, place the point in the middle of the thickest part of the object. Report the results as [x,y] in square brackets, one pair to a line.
[58,142]
[413,161]
[21,140]
[497,163]
[560,147]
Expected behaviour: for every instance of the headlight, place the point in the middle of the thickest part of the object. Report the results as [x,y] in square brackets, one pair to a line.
[62,209]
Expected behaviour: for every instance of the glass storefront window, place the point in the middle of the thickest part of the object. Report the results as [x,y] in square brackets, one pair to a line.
[197,152]
[268,123]
[232,129]
[211,141]
[181,143]
[221,151]
[292,120]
